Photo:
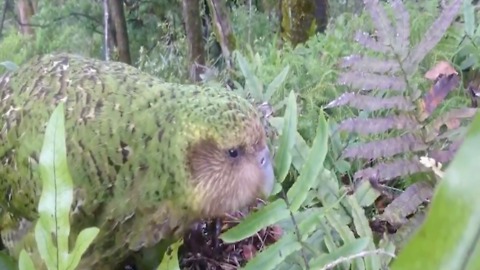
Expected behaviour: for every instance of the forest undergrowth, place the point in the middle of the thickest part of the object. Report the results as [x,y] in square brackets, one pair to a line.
[363,120]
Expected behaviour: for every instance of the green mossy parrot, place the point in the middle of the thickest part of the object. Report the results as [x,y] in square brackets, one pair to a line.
[148,158]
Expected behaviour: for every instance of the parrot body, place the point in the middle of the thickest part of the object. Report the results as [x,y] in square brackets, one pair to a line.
[147,157]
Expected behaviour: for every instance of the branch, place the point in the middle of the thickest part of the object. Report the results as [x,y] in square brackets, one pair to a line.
[71,14]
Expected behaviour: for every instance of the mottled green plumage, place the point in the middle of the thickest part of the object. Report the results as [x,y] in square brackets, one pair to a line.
[129,137]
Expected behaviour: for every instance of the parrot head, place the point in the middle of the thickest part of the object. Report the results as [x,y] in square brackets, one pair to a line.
[231,171]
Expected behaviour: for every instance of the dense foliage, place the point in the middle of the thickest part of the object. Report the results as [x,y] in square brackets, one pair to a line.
[385,84]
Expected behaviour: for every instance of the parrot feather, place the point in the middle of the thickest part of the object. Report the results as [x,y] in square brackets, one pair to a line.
[147,157]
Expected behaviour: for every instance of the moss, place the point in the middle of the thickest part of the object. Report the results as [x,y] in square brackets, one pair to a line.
[302,19]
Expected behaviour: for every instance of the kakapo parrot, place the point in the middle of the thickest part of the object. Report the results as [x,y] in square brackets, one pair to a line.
[148,158]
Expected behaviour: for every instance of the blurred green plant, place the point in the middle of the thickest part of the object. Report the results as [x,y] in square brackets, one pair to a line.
[449,237]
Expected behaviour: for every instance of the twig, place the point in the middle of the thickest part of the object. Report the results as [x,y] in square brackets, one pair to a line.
[71,14]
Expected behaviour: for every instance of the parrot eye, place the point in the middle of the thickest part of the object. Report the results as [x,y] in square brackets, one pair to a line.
[233,153]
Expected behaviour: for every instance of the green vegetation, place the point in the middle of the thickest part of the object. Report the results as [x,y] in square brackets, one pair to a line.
[352,114]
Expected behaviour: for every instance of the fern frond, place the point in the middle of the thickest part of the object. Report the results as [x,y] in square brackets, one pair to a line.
[386,147]
[371,103]
[370,64]
[364,81]
[433,35]
[451,120]
[379,125]
[446,155]
[407,203]
[387,171]
[391,70]
[442,87]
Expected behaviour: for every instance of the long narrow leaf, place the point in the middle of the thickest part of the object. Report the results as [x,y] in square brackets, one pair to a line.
[251,82]
[363,229]
[276,83]
[312,167]
[57,189]
[283,158]
[349,249]
[276,253]
[268,215]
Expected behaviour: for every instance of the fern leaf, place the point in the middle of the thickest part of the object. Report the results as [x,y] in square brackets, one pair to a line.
[434,34]
[367,41]
[371,103]
[444,156]
[369,81]
[407,203]
[385,31]
[402,27]
[451,120]
[379,125]
[394,71]
[386,148]
[438,92]
[404,233]
[370,64]
[389,171]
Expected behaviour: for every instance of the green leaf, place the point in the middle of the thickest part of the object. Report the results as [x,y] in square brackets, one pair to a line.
[46,247]
[363,229]
[346,235]
[283,158]
[366,194]
[276,253]
[331,247]
[8,263]
[268,215]
[24,262]
[312,167]
[9,65]
[276,83]
[469,17]
[349,249]
[342,166]
[53,226]
[57,191]
[450,236]
[84,239]
[251,81]
[170,258]
[389,247]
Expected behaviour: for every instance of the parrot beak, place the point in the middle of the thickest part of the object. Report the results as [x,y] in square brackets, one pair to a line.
[265,162]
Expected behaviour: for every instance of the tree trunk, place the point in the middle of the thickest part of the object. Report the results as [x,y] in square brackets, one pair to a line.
[321,15]
[106,30]
[193,28]
[4,13]
[300,19]
[223,30]
[25,11]
[121,34]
